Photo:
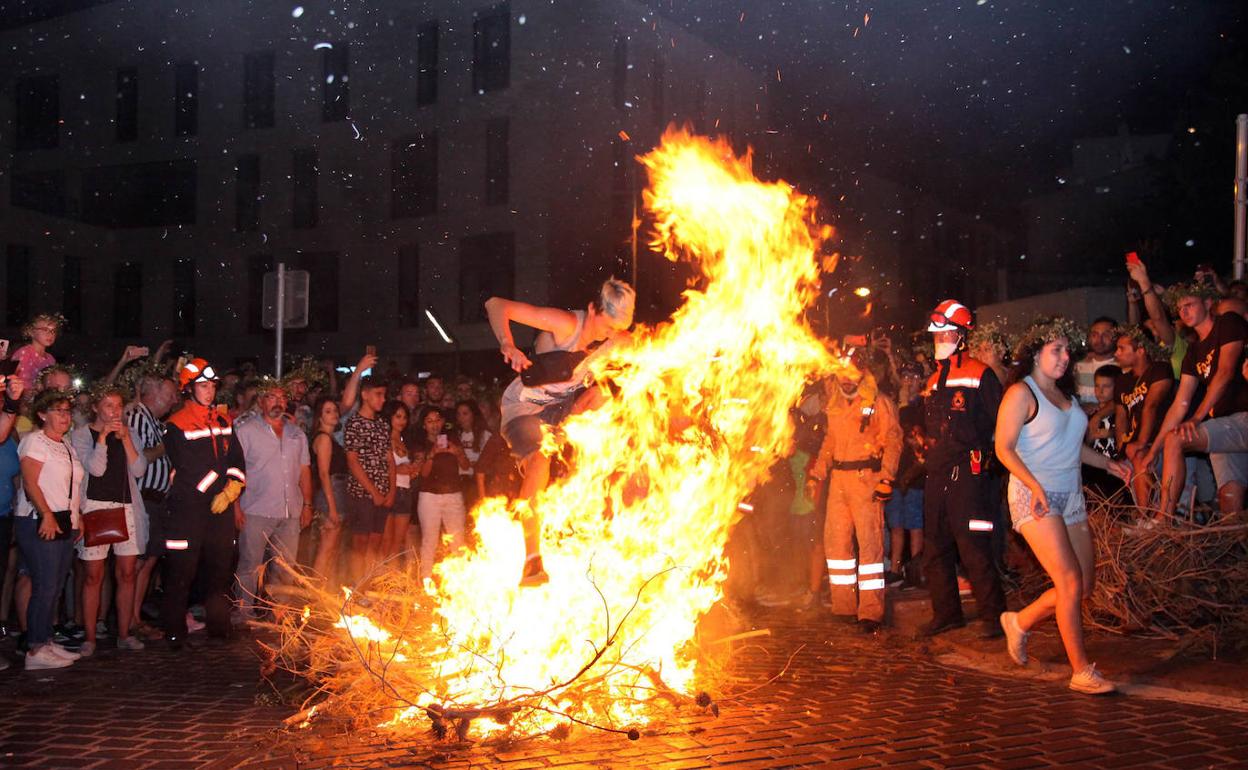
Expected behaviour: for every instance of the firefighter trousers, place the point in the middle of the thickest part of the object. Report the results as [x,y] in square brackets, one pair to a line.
[856,582]
[200,544]
[958,523]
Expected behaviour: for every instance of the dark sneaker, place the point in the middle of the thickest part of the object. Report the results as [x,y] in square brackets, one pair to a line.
[893,579]
[534,573]
[938,627]
[869,626]
[989,629]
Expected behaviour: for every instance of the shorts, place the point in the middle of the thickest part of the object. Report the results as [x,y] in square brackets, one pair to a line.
[1071,505]
[136,526]
[905,509]
[320,504]
[364,517]
[402,502]
[1227,438]
[524,434]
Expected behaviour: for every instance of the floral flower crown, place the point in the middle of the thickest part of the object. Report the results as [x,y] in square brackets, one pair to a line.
[1180,290]
[1141,339]
[993,335]
[1042,331]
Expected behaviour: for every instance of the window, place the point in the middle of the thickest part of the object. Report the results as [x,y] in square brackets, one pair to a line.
[71,292]
[414,176]
[127,104]
[497,161]
[304,175]
[247,194]
[140,194]
[257,266]
[17,285]
[335,93]
[427,63]
[42,191]
[37,112]
[491,49]
[322,267]
[185,99]
[258,90]
[487,268]
[619,72]
[409,286]
[128,300]
[184,297]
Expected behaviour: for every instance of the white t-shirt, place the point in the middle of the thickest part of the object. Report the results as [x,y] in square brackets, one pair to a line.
[60,464]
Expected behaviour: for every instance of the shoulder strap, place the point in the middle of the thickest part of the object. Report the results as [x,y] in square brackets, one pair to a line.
[1035,400]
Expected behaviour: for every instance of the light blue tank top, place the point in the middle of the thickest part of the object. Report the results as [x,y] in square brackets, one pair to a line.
[1050,444]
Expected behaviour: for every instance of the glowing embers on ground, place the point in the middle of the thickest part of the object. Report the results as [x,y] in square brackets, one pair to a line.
[634,533]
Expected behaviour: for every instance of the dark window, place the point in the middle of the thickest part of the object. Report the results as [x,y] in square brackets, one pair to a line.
[186,99]
[335,91]
[491,48]
[71,292]
[127,104]
[128,300]
[247,194]
[304,176]
[322,267]
[17,285]
[487,268]
[140,194]
[619,72]
[414,176]
[258,90]
[37,112]
[257,266]
[42,191]
[409,286]
[427,63]
[184,297]
[497,161]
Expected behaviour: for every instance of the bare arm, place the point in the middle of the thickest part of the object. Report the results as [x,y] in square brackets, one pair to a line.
[1228,368]
[1152,411]
[1174,415]
[502,312]
[357,473]
[131,353]
[1016,405]
[1152,302]
[352,388]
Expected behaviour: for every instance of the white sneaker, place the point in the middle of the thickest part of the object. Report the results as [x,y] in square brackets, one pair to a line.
[87,649]
[1090,682]
[130,643]
[193,625]
[62,652]
[1015,638]
[45,657]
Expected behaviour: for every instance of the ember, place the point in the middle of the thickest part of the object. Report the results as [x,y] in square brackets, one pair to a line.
[634,534]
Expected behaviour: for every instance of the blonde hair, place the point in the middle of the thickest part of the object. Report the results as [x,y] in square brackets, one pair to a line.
[616,300]
[53,319]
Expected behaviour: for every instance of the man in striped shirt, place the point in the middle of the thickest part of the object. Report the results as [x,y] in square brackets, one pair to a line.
[157,396]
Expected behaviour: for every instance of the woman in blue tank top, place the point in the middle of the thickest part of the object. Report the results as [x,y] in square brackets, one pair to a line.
[1039,438]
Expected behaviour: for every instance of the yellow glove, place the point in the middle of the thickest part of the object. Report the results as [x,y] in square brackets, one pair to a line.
[226,496]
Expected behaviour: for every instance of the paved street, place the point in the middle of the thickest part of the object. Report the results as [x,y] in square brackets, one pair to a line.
[845,702]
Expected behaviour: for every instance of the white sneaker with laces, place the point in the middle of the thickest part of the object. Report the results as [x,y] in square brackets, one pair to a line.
[62,652]
[1015,638]
[1090,682]
[44,658]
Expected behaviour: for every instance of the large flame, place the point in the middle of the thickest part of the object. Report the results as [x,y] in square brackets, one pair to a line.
[634,533]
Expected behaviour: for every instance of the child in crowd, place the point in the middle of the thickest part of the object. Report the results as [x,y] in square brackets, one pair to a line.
[1101,433]
[33,357]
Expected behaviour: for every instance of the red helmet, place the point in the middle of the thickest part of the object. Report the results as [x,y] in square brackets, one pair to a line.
[196,370]
[951,315]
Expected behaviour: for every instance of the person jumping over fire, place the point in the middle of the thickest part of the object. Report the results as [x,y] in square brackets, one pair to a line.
[861,449]
[555,386]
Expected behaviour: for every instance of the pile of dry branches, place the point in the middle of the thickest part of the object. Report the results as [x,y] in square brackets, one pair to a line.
[372,655]
[1174,581]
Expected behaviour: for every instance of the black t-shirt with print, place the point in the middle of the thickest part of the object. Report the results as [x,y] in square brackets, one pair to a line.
[1132,391]
[1202,361]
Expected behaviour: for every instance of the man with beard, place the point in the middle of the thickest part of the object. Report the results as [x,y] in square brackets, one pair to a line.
[1100,353]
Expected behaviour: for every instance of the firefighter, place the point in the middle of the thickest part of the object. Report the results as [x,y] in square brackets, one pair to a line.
[962,397]
[207,478]
[860,452]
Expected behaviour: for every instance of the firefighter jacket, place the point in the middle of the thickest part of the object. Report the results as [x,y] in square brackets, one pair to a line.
[962,397]
[205,455]
[863,433]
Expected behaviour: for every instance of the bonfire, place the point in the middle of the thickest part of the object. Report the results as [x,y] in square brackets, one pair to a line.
[634,533]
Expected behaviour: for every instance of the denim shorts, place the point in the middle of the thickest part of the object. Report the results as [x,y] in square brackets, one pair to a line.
[403,502]
[905,509]
[320,503]
[524,434]
[1071,505]
[1227,438]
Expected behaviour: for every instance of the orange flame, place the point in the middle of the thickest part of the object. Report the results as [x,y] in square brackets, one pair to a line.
[634,534]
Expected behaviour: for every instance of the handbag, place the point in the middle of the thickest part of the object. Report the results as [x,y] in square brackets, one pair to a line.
[552,367]
[64,522]
[104,526]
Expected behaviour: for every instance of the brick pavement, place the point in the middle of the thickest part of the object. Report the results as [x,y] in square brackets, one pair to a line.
[845,702]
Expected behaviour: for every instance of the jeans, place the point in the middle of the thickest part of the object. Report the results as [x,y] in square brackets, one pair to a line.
[48,562]
[436,512]
[281,536]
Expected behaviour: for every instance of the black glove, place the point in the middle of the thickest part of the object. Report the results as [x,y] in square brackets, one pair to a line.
[883,491]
